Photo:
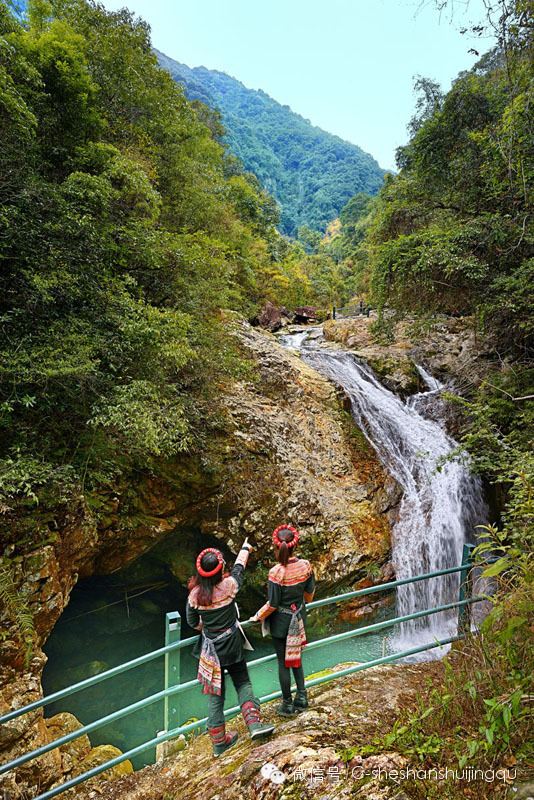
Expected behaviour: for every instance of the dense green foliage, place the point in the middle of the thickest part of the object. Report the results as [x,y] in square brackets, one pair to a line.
[324,270]
[124,228]
[310,172]
[310,275]
[452,233]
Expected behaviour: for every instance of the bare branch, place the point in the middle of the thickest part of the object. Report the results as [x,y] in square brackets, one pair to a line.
[514,399]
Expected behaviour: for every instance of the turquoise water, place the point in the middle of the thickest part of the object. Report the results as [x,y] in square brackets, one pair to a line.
[112,620]
[265,676]
[92,636]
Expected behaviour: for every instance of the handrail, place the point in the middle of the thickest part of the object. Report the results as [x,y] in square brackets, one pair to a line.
[136,662]
[142,748]
[381,587]
[358,309]
[86,683]
[462,604]
[130,709]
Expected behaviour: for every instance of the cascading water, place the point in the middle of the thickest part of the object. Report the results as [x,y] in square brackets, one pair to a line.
[442,501]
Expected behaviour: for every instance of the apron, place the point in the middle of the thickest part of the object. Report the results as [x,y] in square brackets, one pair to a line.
[246,643]
[209,666]
[296,635]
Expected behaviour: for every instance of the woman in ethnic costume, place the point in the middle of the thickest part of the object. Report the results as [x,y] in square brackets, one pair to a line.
[291,585]
[211,608]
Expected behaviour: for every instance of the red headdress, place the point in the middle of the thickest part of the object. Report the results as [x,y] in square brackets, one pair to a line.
[277,541]
[209,573]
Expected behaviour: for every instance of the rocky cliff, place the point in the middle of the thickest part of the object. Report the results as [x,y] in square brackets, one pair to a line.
[285,450]
[447,347]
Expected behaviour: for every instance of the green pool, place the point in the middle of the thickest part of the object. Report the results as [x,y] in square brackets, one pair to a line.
[107,623]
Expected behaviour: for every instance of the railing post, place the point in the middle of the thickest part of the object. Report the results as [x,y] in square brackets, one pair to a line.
[466,589]
[173,630]
[333,312]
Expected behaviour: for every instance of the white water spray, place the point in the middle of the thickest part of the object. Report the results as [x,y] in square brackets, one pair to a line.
[442,501]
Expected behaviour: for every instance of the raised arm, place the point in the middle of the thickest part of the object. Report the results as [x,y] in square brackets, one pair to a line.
[238,570]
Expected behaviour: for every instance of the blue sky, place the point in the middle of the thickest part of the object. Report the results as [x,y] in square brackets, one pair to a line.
[346,65]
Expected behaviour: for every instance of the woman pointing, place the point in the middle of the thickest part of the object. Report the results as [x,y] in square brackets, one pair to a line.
[211,608]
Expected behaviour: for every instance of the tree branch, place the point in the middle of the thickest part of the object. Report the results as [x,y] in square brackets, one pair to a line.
[515,399]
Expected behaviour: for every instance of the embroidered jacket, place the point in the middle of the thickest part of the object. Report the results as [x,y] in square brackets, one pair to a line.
[221,613]
[294,584]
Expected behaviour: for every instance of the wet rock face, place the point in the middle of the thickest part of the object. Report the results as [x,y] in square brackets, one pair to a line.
[296,463]
[448,348]
[392,364]
[362,607]
[287,452]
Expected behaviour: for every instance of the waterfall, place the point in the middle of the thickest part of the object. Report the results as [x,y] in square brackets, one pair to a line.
[442,501]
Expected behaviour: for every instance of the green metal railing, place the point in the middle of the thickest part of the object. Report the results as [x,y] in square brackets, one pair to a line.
[174,688]
[360,309]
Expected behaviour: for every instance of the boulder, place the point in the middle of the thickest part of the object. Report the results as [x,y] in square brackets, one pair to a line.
[306,314]
[397,373]
[99,755]
[355,611]
[61,724]
[272,318]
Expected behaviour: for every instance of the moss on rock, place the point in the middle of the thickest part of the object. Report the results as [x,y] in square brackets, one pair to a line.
[99,755]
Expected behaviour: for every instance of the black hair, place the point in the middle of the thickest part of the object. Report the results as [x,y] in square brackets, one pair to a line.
[206,585]
[284,551]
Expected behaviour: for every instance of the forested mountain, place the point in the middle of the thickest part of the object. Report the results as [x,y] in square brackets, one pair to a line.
[121,235]
[310,172]
[125,227]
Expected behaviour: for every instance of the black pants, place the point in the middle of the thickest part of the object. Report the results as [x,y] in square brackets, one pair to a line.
[284,673]
[240,678]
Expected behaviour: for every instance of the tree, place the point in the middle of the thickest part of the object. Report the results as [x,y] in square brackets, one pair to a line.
[122,235]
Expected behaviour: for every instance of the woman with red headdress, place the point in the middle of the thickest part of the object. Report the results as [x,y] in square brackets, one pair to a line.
[211,608]
[291,585]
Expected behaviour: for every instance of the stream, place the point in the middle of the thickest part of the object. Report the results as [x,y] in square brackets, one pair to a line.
[112,619]
[442,500]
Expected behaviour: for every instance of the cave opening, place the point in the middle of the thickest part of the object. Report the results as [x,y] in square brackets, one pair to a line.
[113,618]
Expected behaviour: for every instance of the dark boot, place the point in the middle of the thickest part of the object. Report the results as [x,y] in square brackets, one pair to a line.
[220,740]
[286,708]
[251,715]
[301,700]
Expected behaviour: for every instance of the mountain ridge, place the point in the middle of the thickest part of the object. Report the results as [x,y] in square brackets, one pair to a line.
[312,173]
